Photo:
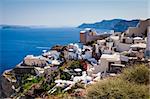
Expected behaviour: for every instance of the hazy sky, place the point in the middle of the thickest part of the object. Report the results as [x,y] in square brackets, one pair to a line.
[59,13]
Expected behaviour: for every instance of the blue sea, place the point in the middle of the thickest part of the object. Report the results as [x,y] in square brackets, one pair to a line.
[16,43]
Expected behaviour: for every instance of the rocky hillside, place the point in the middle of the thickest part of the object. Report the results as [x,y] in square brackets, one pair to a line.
[118,25]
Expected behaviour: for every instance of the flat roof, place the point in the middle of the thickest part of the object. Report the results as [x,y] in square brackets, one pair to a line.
[118,65]
[111,56]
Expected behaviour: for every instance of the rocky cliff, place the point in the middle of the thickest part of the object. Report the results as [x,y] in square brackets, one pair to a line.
[7,82]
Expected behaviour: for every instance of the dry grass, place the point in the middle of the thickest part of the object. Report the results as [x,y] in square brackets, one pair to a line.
[129,85]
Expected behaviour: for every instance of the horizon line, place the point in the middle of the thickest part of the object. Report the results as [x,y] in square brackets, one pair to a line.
[69,26]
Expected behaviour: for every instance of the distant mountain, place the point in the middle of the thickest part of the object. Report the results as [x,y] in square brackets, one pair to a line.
[118,25]
[22,27]
[14,26]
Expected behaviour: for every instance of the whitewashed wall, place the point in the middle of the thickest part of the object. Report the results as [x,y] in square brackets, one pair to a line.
[148,39]
[122,46]
[148,43]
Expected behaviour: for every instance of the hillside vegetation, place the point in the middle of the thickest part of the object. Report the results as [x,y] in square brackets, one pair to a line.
[131,84]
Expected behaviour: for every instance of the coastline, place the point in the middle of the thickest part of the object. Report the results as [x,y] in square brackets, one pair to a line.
[63,67]
[19,43]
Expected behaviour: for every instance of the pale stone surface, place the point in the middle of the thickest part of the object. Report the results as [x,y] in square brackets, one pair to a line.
[6,87]
[148,43]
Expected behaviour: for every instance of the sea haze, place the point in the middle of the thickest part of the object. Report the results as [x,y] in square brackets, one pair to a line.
[17,43]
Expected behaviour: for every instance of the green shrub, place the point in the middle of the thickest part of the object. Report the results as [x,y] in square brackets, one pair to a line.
[117,89]
[71,64]
[65,76]
[90,43]
[129,85]
[75,64]
[27,86]
[45,86]
[138,74]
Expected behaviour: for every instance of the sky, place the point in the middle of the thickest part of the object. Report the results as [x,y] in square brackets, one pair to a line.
[70,13]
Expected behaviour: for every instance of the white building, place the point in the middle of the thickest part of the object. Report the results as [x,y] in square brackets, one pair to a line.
[39,71]
[148,43]
[107,59]
[73,52]
[52,54]
[138,40]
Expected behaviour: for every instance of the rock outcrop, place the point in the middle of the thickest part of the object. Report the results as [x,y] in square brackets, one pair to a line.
[7,82]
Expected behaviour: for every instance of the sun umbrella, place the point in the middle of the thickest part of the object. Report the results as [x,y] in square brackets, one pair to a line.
[137,38]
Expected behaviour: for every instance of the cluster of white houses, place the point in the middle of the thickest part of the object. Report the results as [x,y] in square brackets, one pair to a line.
[123,41]
[107,56]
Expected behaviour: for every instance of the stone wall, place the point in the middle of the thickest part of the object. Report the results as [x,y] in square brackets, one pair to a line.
[122,46]
[140,29]
[82,37]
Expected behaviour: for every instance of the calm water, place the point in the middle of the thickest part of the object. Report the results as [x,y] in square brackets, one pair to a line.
[15,44]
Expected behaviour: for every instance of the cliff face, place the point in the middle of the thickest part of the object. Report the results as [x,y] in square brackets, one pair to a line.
[5,87]
[118,25]
[8,84]
[0,88]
